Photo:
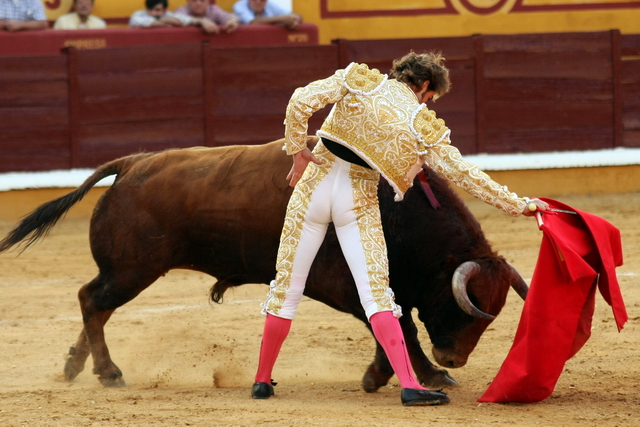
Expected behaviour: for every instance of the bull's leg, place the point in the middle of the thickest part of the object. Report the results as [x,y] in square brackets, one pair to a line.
[108,373]
[77,357]
[379,371]
[428,374]
[98,300]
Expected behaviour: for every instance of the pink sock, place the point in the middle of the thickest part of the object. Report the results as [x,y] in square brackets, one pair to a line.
[276,330]
[388,332]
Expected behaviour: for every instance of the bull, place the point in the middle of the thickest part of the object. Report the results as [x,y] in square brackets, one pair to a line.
[220,211]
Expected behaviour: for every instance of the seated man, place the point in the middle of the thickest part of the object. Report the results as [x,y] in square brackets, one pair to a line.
[156,16]
[210,17]
[24,15]
[81,18]
[265,12]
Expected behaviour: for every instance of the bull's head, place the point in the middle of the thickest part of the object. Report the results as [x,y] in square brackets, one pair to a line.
[466,322]
[469,270]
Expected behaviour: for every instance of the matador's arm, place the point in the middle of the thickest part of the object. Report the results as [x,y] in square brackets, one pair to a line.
[304,102]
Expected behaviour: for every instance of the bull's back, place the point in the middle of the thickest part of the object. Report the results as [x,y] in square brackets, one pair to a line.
[194,204]
[201,178]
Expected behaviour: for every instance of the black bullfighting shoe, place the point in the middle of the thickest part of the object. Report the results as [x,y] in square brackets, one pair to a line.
[262,390]
[419,397]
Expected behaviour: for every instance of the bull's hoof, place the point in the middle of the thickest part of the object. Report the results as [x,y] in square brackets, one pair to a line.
[369,385]
[113,381]
[373,379]
[440,378]
[71,371]
[71,368]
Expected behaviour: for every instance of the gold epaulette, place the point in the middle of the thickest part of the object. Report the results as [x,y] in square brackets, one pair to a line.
[429,129]
[360,78]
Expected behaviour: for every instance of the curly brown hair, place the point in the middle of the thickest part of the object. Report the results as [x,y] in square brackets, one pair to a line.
[416,68]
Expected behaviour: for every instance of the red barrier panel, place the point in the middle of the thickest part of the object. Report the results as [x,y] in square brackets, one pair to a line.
[34,113]
[549,92]
[52,41]
[517,93]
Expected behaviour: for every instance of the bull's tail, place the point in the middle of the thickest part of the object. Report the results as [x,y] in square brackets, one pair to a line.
[39,222]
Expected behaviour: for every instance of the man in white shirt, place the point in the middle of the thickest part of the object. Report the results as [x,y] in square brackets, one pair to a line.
[22,15]
[265,12]
[81,18]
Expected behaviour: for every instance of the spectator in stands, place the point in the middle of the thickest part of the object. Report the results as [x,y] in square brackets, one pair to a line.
[265,12]
[156,16]
[81,18]
[210,17]
[23,15]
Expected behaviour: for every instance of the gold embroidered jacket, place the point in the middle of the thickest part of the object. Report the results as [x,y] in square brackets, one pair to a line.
[381,120]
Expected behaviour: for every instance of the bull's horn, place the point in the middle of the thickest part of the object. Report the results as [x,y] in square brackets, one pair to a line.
[465,272]
[519,285]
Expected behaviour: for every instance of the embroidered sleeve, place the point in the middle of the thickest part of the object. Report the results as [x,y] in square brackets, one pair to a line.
[447,161]
[304,102]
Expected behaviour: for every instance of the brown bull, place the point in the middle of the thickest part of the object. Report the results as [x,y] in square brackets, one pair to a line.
[220,211]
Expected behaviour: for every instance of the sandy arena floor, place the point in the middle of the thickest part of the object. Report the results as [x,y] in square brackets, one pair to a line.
[187,362]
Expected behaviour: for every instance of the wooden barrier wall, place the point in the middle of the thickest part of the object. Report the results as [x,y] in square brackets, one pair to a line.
[126,100]
[629,86]
[516,93]
[530,93]
[34,112]
[250,89]
[50,42]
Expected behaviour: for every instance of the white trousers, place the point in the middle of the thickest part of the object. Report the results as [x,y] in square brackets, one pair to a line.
[345,194]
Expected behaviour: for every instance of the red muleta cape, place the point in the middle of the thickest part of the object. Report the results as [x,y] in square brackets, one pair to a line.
[577,253]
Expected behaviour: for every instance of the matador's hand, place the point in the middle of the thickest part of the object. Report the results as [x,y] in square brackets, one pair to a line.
[300,161]
[535,205]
